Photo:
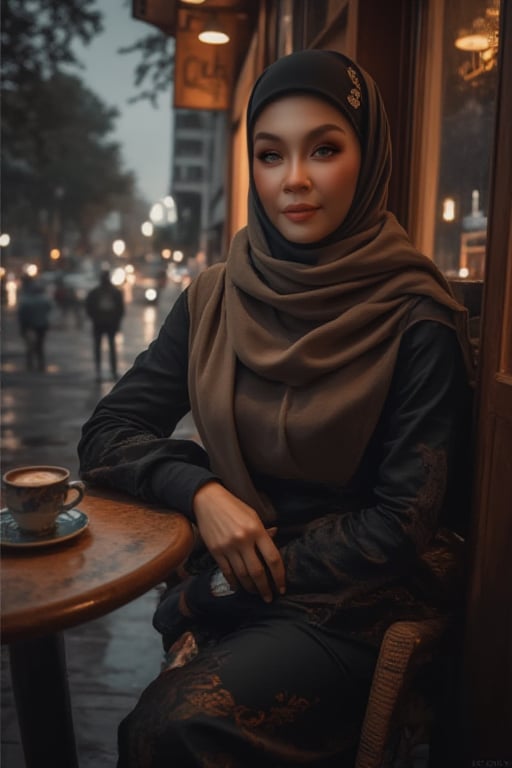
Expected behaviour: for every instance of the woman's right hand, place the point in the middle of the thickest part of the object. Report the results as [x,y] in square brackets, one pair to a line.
[236,537]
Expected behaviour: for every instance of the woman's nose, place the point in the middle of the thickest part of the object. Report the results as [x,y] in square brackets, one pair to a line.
[297,176]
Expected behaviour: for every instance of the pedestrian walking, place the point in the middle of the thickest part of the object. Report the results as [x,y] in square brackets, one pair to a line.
[34,310]
[326,365]
[66,299]
[105,307]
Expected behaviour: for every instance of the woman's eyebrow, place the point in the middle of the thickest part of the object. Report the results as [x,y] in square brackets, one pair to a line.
[265,135]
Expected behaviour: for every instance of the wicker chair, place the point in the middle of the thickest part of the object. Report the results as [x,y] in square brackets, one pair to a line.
[407,647]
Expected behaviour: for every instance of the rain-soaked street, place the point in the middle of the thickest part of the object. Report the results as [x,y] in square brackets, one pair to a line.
[110,659]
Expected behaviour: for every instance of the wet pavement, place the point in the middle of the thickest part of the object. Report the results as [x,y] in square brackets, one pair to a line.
[42,413]
[110,660]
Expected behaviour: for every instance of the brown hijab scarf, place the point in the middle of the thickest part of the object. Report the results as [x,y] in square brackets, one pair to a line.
[292,348]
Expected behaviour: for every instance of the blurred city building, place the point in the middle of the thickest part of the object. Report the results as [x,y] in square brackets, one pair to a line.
[197,180]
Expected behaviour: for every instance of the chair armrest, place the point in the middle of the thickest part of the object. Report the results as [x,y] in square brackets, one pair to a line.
[405,646]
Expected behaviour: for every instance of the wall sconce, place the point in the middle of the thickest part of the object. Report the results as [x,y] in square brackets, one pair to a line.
[193,2]
[213,33]
[481,42]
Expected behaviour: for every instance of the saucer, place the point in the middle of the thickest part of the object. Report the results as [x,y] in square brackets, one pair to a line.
[67,525]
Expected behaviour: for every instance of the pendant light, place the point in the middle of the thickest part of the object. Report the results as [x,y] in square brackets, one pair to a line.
[213,33]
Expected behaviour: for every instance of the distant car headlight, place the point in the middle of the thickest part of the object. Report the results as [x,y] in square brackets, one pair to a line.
[150,294]
[118,276]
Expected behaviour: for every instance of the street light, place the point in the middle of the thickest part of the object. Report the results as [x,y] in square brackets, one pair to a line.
[30,269]
[168,201]
[118,247]
[156,214]
[5,239]
[164,211]
[147,228]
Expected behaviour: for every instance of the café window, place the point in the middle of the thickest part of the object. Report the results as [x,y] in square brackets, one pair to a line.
[456,125]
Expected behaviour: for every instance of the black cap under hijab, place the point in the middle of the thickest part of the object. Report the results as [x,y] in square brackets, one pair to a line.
[325,74]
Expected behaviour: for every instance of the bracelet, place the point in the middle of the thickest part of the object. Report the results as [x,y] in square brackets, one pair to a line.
[219,585]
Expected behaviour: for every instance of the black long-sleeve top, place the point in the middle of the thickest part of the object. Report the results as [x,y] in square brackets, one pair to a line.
[408,484]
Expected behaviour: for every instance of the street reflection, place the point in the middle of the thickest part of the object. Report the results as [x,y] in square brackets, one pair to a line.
[149,320]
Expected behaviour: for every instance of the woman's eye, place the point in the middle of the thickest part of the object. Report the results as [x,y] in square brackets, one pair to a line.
[326,151]
[268,156]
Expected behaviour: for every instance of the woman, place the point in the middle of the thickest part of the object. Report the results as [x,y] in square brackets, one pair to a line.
[324,365]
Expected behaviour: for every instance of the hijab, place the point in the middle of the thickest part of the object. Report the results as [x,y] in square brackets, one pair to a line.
[292,347]
[335,78]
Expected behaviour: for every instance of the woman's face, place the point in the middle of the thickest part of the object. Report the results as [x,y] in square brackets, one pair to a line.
[305,166]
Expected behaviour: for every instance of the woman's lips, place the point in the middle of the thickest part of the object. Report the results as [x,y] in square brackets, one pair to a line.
[299,213]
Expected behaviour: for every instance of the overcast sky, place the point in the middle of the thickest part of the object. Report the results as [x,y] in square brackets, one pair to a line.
[144,132]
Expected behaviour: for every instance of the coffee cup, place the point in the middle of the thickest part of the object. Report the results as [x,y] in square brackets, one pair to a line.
[36,495]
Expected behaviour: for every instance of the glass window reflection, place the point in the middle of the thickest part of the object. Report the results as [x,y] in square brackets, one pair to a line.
[468,96]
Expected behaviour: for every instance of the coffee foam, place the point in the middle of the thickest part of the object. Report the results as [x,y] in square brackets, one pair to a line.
[36,477]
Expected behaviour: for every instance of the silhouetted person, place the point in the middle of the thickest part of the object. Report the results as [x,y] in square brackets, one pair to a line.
[66,299]
[105,306]
[34,308]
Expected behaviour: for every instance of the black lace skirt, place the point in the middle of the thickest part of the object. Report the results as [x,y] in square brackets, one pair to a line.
[276,690]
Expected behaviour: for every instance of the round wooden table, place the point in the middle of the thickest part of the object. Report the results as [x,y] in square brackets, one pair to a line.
[128,548]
